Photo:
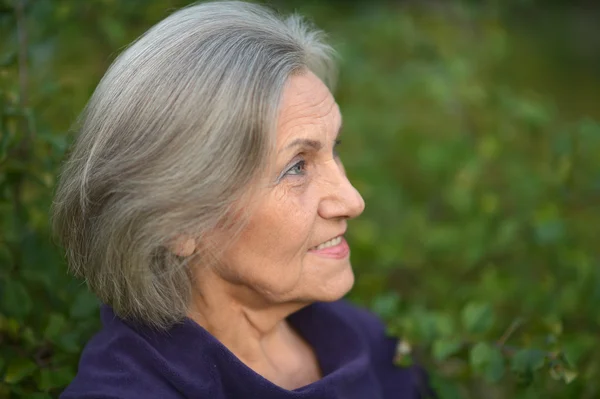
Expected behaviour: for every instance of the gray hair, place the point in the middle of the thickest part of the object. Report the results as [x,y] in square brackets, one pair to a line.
[175,133]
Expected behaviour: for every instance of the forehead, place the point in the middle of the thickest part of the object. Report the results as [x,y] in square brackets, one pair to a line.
[306,104]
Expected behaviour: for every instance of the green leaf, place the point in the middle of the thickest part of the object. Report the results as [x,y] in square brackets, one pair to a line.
[5,390]
[386,305]
[6,260]
[16,300]
[69,342]
[573,351]
[84,305]
[39,396]
[445,347]
[524,379]
[446,388]
[479,355]
[55,325]
[549,232]
[526,360]
[403,361]
[19,369]
[477,317]
[488,361]
[51,379]
[28,336]
[113,30]
[9,58]
[495,368]
[569,376]
[444,325]
[12,327]
[426,325]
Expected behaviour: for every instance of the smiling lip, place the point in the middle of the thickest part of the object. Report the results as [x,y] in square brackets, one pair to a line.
[338,251]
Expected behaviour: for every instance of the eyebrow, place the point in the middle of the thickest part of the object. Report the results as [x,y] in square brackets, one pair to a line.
[314,144]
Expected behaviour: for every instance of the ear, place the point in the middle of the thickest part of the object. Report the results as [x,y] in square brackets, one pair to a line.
[183,246]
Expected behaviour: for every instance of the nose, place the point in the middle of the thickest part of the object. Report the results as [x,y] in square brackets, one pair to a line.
[340,199]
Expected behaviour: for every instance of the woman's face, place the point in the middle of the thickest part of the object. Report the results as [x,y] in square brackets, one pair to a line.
[293,247]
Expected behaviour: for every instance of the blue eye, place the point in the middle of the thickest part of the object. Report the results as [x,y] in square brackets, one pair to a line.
[297,169]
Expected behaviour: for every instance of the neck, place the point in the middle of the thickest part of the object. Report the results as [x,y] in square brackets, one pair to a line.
[251,327]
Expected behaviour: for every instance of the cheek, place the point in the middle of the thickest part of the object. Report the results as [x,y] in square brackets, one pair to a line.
[270,250]
[283,229]
[270,255]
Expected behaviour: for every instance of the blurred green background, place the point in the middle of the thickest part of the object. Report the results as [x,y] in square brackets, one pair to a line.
[471,129]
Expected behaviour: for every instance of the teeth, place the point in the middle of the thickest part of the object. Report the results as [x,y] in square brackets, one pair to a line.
[331,243]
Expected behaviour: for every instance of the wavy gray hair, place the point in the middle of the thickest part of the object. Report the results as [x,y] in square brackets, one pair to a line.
[174,135]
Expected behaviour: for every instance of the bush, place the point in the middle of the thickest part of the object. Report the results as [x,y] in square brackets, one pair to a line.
[478,242]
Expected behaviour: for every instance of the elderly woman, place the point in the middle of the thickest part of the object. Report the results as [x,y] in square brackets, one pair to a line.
[205,204]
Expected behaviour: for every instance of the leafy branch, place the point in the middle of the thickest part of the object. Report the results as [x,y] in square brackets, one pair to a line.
[490,359]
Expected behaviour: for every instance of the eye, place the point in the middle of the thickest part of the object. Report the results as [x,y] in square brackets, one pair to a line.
[297,169]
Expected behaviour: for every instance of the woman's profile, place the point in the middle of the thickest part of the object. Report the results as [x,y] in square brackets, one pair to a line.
[205,204]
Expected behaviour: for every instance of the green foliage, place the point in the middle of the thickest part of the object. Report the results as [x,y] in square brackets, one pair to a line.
[487,360]
[477,245]
[477,318]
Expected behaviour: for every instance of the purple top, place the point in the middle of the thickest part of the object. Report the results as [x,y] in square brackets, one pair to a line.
[123,361]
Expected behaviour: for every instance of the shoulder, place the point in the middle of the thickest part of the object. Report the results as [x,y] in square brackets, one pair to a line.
[116,364]
[120,362]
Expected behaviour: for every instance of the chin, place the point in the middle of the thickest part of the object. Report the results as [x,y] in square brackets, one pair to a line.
[337,288]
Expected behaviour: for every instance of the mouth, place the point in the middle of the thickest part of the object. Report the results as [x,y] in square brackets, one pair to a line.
[327,244]
[336,248]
